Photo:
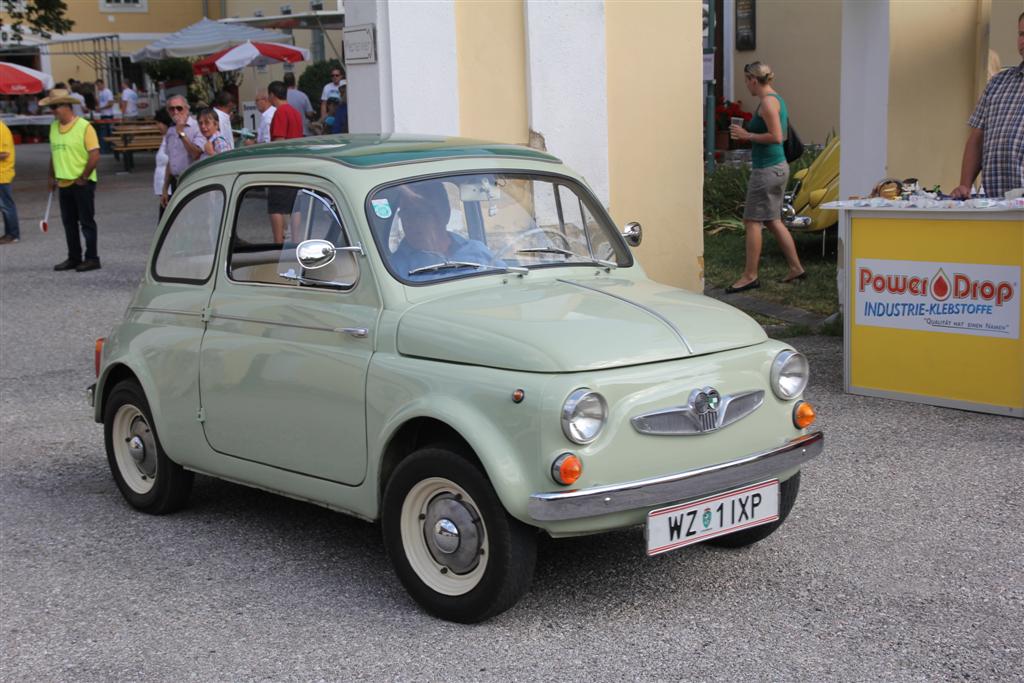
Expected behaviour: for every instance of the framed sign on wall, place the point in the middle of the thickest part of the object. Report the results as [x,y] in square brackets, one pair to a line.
[746,25]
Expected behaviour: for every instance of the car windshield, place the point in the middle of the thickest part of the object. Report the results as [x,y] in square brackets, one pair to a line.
[475,224]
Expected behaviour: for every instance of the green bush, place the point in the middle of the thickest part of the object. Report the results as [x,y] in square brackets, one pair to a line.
[315,77]
[170,69]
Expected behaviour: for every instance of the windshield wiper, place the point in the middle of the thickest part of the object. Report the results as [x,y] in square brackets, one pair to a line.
[546,250]
[447,265]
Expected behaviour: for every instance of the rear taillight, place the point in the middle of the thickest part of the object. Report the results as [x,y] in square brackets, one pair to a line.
[99,353]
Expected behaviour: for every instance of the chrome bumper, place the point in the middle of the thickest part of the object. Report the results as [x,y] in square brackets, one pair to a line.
[90,394]
[603,500]
[797,222]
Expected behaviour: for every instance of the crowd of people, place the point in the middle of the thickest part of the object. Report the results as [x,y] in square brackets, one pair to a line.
[83,117]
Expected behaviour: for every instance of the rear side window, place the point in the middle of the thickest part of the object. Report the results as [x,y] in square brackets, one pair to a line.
[270,221]
[189,243]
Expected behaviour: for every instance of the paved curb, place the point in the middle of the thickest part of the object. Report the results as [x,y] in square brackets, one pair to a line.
[787,314]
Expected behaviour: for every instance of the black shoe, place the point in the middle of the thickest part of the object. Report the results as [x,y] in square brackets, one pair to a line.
[88,264]
[795,278]
[67,264]
[753,284]
[8,239]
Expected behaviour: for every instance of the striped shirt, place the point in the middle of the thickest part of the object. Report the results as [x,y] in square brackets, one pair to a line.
[1000,114]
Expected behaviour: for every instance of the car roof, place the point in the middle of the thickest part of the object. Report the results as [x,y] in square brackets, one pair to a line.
[374,151]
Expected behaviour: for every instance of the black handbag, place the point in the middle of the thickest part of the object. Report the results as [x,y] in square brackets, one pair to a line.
[792,147]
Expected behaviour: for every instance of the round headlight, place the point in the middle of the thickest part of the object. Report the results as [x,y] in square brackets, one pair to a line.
[583,415]
[789,374]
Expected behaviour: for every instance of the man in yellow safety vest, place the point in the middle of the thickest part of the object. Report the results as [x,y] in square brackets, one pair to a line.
[74,154]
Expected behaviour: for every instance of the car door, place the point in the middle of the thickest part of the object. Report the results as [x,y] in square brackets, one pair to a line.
[284,360]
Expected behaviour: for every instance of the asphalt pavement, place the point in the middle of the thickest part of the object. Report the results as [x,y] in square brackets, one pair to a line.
[902,559]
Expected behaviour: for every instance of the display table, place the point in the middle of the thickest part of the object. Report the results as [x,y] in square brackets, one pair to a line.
[27,120]
[932,305]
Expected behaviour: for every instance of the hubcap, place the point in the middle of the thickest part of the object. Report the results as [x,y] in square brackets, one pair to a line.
[134,448]
[451,531]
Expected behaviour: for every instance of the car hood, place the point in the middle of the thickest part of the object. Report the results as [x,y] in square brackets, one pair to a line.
[569,325]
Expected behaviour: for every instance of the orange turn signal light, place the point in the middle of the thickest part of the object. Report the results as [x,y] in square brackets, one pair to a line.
[803,415]
[566,469]
[99,353]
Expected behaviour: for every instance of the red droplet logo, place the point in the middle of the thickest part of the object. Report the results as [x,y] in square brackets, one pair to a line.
[940,286]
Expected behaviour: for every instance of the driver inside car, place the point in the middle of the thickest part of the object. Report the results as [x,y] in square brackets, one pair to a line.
[425,210]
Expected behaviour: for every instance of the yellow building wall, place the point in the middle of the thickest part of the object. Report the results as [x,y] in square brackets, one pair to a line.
[1003,30]
[801,40]
[163,16]
[490,42]
[932,60]
[654,133]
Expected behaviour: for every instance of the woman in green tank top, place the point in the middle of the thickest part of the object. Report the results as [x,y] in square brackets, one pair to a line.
[768,177]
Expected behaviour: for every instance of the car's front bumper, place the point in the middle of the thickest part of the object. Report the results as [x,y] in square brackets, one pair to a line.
[647,493]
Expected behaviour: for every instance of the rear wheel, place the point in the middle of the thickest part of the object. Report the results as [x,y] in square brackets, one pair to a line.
[787,498]
[453,546]
[146,477]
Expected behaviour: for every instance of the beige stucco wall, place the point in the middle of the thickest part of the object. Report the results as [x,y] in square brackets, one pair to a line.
[654,133]
[160,16]
[932,53]
[491,47]
[801,40]
[1003,30]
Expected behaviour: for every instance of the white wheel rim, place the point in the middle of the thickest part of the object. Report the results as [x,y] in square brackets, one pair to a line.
[134,449]
[435,575]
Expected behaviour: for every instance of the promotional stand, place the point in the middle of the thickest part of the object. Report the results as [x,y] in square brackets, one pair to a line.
[932,305]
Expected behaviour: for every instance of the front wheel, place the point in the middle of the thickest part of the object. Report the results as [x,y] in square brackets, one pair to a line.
[147,478]
[453,546]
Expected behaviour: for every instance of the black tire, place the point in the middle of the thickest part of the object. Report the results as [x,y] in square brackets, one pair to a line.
[149,481]
[435,482]
[741,539]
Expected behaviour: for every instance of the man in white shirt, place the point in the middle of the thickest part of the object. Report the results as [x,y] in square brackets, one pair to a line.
[79,109]
[105,109]
[300,101]
[224,105]
[332,89]
[129,101]
[266,116]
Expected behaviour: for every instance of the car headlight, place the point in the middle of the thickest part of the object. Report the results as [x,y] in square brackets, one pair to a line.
[583,415]
[790,372]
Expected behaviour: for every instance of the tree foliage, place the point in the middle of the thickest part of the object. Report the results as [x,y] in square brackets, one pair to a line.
[42,17]
[314,77]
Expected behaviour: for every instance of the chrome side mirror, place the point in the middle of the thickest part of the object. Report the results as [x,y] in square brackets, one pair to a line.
[633,234]
[313,254]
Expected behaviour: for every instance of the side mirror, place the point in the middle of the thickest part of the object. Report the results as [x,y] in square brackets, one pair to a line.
[633,234]
[313,254]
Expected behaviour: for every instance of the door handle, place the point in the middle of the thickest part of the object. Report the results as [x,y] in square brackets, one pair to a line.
[357,332]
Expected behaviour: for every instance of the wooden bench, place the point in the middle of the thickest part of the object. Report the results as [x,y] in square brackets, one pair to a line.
[129,137]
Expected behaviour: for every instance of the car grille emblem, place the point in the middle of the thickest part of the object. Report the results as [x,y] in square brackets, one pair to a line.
[705,404]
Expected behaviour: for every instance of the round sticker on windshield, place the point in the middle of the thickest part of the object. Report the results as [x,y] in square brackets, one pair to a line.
[381,207]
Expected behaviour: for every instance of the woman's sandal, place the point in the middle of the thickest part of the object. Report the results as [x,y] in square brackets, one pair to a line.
[753,284]
[795,278]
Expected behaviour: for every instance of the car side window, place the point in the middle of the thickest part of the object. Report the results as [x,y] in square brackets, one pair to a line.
[189,243]
[271,220]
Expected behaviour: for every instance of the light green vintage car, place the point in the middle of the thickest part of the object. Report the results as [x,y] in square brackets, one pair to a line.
[451,337]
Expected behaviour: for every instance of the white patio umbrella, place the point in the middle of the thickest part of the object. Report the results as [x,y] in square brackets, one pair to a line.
[205,37]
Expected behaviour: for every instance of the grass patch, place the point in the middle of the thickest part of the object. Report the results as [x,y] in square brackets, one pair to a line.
[724,253]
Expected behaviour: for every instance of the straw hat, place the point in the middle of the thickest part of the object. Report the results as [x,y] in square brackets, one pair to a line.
[58,96]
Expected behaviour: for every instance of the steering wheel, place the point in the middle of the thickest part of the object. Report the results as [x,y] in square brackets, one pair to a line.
[523,240]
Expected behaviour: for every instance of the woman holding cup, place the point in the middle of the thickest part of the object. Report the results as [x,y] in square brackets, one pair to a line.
[766,131]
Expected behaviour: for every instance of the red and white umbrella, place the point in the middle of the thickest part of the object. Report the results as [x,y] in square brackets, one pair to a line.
[21,80]
[249,54]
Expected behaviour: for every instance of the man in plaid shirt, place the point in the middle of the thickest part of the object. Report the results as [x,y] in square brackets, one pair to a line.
[995,145]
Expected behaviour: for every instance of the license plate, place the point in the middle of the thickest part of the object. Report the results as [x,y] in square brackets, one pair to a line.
[673,527]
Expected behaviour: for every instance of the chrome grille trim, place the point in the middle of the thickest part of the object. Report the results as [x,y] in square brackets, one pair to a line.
[685,421]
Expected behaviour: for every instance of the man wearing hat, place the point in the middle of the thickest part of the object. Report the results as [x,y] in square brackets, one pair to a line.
[74,154]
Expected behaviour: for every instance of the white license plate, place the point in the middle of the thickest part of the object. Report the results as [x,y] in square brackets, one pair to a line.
[673,527]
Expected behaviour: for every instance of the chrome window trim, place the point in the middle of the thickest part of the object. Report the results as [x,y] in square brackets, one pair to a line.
[658,491]
[687,421]
[237,194]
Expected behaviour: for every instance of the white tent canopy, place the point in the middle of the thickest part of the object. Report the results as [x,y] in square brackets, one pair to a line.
[206,37]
